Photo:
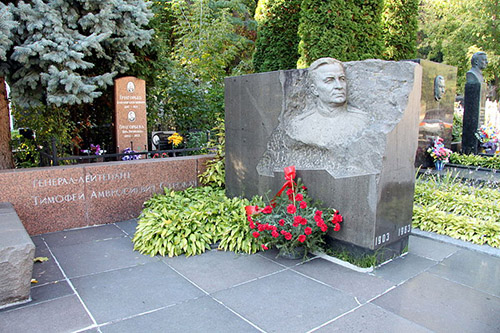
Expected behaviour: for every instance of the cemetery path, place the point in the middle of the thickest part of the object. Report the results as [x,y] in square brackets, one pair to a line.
[95,282]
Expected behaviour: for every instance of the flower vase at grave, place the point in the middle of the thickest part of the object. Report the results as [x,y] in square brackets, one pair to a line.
[439,165]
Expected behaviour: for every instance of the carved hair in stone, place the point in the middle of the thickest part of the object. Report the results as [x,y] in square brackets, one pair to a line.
[439,87]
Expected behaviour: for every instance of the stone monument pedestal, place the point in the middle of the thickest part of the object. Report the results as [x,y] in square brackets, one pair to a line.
[367,174]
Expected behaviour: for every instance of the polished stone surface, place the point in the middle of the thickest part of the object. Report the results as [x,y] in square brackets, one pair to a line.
[65,197]
[94,282]
[436,114]
[131,126]
[365,169]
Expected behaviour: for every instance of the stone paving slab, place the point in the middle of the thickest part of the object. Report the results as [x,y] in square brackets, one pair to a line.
[429,249]
[99,256]
[121,293]
[197,315]
[83,235]
[443,306]
[286,302]
[65,314]
[95,282]
[218,270]
[404,268]
[371,318]
[360,285]
[471,269]
[127,227]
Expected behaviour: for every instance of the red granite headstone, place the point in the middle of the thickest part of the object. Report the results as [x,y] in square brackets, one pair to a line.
[130,114]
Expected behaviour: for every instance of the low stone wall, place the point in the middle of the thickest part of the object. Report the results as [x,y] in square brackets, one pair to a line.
[16,258]
[63,197]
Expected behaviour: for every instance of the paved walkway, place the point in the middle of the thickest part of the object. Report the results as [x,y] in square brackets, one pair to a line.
[94,282]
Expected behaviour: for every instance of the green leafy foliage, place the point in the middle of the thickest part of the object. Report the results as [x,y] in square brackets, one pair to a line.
[47,122]
[456,132]
[400,24]
[277,40]
[446,206]
[452,31]
[215,172]
[66,52]
[345,30]
[492,162]
[188,222]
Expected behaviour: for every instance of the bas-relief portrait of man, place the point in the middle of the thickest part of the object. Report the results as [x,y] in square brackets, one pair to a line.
[330,113]
[320,129]
[439,87]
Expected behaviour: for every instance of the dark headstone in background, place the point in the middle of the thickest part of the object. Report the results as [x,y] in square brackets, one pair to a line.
[436,116]
[474,104]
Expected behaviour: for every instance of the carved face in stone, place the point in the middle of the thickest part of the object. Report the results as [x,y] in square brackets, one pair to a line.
[329,84]
[439,87]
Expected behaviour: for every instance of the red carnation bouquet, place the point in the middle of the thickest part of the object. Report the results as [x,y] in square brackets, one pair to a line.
[292,220]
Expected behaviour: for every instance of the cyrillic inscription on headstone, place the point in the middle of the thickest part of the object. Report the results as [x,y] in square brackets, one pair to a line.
[130,114]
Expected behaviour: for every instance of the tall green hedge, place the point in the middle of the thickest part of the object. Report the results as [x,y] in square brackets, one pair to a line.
[344,29]
[400,24]
[277,39]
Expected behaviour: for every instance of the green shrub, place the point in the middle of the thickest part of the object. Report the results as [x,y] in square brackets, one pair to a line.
[456,131]
[400,26]
[188,222]
[215,172]
[476,160]
[344,30]
[277,41]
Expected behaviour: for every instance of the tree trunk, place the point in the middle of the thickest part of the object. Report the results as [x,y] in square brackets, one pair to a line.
[6,161]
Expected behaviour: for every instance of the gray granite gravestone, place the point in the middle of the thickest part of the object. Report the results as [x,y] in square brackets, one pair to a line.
[353,142]
[474,102]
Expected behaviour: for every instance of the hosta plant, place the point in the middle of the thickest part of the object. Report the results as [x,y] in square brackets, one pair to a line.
[190,221]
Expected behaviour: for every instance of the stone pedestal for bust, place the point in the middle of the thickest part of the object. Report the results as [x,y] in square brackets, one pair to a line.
[368,174]
[474,104]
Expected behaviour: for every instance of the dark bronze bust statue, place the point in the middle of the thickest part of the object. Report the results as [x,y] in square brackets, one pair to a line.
[479,62]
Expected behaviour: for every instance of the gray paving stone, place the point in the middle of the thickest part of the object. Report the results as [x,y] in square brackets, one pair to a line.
[45,271]
[443,306]
[64,314]
[476,270]
[361,285]
[198,315]
[83,235]
[371,318]
[50,291]
[286,302]
[404,268]
[430,249]
[125,292]
[99,256]
[128,226]
[217,270]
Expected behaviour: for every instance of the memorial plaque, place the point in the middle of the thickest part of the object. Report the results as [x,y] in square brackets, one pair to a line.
[130,114]
[353,143]
[64,197]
